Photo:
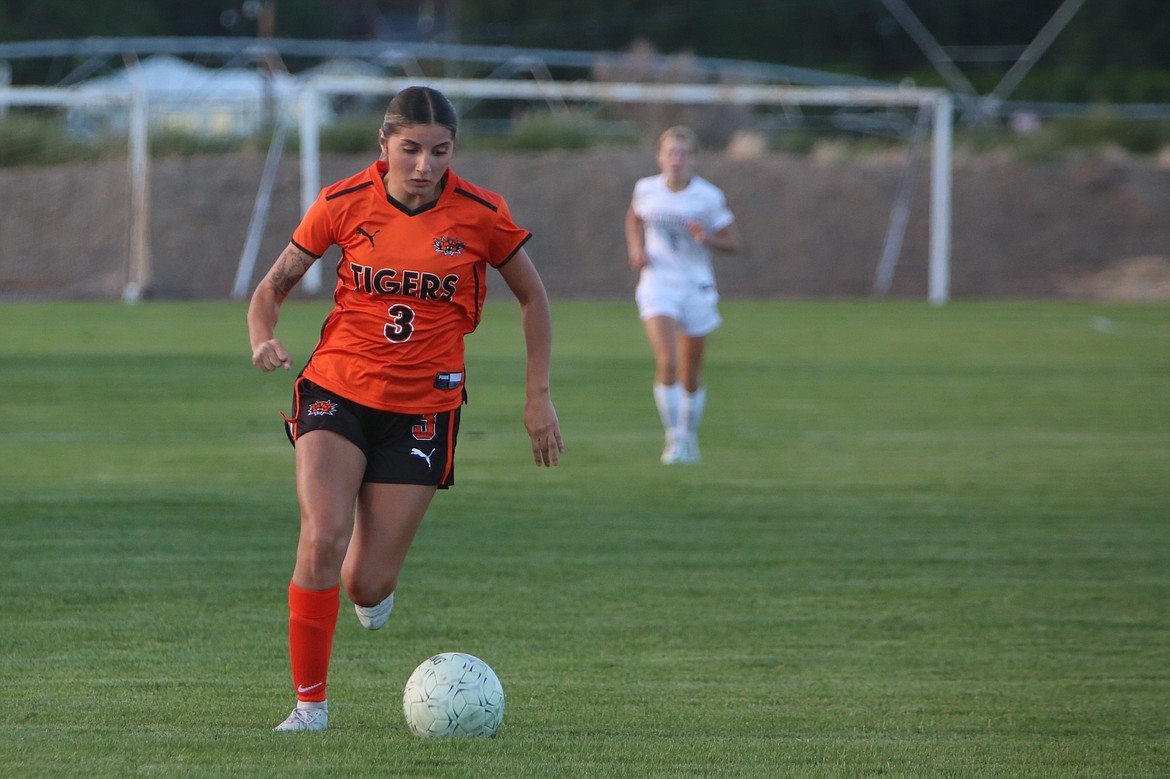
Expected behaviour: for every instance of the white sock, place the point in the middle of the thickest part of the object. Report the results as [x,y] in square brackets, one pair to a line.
[690,411]
[313,705]
[668,397]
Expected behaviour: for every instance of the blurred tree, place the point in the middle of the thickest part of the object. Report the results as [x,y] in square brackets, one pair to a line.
[1105,38]
[50,19]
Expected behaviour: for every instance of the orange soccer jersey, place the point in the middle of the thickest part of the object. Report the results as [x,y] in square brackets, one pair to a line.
[410,286]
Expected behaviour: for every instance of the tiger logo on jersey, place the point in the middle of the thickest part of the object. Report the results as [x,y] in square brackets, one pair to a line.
[322,408]
[449,246]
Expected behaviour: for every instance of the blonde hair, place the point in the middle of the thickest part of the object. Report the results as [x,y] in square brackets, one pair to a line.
[680,133]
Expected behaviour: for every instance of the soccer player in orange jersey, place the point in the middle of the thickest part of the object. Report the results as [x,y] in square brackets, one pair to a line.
[674,222]
[376,408]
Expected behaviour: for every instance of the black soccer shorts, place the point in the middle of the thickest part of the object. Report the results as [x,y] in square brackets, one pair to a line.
[399,448]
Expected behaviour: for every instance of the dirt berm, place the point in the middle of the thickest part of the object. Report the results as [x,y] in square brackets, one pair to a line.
[813,226]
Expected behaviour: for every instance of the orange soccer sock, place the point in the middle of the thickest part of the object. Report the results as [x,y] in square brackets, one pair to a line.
[312,616]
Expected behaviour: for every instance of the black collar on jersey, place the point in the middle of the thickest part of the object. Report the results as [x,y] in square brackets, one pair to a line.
[425,206]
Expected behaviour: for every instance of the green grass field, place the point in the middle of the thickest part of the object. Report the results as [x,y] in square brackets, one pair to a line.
[923,542]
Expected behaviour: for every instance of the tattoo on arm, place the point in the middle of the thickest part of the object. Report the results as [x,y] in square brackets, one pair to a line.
[289,268]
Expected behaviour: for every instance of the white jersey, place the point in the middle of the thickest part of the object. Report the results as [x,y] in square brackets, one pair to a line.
[672,253]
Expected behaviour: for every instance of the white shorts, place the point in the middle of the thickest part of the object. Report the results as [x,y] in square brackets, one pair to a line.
[693,306]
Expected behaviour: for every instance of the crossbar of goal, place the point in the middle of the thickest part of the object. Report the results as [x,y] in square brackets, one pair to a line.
[939,102]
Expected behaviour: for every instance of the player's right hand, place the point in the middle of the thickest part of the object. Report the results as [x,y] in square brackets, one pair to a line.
[270,355]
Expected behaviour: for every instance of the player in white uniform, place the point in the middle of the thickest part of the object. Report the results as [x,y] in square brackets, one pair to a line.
[674,222]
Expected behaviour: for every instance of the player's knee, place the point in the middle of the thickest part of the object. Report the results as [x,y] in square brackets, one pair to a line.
[321,550]
[366,591]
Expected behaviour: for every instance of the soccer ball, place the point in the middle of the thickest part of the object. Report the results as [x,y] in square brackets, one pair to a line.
[453,694]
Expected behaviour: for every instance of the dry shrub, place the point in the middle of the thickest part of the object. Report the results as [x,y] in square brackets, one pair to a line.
[715,125]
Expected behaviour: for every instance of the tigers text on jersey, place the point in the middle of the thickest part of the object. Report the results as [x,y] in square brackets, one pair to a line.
[672,252]
[410,286]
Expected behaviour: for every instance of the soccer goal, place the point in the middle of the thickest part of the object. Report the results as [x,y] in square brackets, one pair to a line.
[108,226]
[935,104]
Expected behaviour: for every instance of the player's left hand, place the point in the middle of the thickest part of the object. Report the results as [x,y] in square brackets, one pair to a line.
[695,228]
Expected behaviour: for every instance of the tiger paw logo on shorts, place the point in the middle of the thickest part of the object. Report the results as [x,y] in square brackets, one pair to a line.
[322,408]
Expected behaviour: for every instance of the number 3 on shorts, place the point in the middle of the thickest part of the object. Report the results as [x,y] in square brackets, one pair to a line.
[425,429]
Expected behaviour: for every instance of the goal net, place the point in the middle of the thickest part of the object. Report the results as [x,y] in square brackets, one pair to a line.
[65,235]
[45,205]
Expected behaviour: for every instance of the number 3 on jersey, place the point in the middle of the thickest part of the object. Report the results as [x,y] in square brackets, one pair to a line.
[400,326]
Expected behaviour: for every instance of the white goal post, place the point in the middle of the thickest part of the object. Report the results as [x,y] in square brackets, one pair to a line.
[939,103]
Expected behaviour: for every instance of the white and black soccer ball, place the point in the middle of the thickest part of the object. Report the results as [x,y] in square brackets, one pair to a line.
[453,694]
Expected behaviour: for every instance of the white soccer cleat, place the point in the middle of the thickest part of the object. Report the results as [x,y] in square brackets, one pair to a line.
[681,450]
[304,720]
[374,617]
[686,451]
[670,451]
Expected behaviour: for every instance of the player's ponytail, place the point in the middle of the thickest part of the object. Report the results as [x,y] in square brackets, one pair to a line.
[419,105]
